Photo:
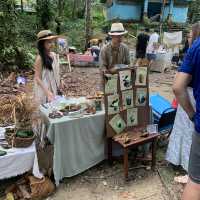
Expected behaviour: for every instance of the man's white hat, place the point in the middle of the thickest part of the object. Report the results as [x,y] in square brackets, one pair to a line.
[117,29]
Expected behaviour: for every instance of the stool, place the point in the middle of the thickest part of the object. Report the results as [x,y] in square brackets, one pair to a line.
[135,139]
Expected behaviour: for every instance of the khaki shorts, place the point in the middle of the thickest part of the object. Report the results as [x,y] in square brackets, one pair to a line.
[194,161]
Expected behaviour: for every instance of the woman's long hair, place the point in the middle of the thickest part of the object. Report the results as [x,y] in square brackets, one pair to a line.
[46,59]
[195,31]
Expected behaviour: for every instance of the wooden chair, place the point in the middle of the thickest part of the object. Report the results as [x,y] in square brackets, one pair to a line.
[135,139]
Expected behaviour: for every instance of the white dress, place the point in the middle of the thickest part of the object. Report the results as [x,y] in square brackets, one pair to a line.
[180,140]
[50,79]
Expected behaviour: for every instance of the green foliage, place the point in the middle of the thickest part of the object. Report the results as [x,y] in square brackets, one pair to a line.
[13,54]
[148,23]
[18,29]
[134,28]
[8,33]
[27,26]
[45,13]
[75,32]
[98,17]
[74,9]
[194,14]
[75,28]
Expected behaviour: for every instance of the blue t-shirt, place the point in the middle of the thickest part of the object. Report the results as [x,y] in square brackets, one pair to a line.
[191,65]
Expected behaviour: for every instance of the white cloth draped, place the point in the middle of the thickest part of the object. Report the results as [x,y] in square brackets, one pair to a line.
[172,38]
[178,151]
[17,161]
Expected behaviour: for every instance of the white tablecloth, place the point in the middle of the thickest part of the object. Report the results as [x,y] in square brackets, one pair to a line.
[162,62]
[18,161]
[78,143]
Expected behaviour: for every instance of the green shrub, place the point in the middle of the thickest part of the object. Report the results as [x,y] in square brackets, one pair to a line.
[13,51]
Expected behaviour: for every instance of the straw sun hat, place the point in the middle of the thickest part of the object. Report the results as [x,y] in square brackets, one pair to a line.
[117,29]
[46,35]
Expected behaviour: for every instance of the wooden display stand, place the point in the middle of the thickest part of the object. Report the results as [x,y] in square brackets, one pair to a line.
[127,111]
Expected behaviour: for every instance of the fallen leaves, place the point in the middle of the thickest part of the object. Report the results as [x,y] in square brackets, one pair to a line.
[81,82]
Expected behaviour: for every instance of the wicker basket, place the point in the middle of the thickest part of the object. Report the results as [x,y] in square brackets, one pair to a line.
[18,142]
[40,188]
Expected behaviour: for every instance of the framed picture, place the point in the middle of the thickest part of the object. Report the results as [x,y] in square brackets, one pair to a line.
[110,83]
[132,117]
[141,76]
[125,79]
[113,104]
[117,123]
[141,97]
[127,99]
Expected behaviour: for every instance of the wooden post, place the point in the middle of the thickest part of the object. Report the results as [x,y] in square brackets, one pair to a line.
[110,158]
[126,163]
[153,163]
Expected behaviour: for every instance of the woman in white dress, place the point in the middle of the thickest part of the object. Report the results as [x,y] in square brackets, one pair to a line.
[46,87]
[47,77]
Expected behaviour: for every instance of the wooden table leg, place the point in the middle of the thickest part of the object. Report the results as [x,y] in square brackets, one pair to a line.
[110,158]
[125,163]
[153,163]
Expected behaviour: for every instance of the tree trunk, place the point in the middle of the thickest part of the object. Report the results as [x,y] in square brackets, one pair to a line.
[22,6]
[61,5]
[87,23]
[74,9]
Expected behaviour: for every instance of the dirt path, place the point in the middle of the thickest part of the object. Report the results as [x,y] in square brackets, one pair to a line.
[107,183]
[162,83]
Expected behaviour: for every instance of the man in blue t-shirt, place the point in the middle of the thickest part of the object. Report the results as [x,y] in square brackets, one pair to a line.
[190,71]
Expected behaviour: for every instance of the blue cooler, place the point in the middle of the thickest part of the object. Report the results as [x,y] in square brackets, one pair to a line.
[163,113]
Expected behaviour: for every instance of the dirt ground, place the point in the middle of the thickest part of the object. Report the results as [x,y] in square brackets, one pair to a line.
[104,182]
[110,185]
[162,83]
